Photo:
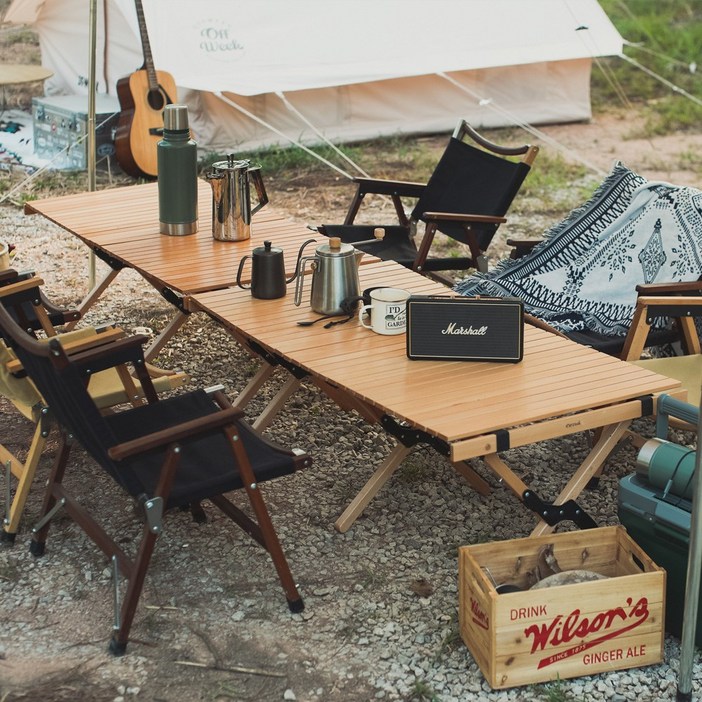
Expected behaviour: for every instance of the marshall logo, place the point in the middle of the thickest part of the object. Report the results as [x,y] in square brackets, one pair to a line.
[453,328]
[564,629]
[479,617]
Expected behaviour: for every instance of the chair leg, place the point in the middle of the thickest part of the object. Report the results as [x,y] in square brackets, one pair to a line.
[120,637]
[272,545]
[140,565]
[25,476]
[266,529]
[37,545]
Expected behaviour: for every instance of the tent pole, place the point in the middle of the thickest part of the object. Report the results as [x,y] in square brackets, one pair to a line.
[692,583]
[91,122]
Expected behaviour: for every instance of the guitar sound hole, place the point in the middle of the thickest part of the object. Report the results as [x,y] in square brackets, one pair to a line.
[156,99]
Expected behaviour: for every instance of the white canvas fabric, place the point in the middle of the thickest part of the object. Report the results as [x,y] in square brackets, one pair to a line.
[354,68]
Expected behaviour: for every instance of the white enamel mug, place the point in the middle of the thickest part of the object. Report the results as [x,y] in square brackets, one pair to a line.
[387,311]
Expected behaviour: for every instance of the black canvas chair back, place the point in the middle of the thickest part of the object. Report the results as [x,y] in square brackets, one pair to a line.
[466,198]
[167,453]
[32,310]
[468,180]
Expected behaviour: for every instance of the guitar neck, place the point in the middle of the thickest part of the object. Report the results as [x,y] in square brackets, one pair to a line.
[146,47]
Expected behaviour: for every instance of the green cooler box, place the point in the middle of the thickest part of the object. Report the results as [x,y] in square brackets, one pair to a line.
[662,528]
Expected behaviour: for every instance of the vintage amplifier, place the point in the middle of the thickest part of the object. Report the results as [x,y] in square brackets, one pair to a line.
[465,328]
[61,127]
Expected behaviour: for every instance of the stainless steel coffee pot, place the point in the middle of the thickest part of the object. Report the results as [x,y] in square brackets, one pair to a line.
[334,276]
[231,198]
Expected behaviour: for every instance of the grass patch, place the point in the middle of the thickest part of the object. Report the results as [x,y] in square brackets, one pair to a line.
[451,641]
[664,36]
[555,692]
[396,157]
[422,692]
[554,184]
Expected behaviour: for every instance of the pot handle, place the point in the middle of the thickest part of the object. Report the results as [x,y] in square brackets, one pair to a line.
[299,258]
[238,273]
[301,278]
[254,174]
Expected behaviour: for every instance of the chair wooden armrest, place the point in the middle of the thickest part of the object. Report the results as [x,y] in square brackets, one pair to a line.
[679,303]
[395,189]
[670,288]
[680,308]
[20,285]
[78,345]
[119,351]
[107,336]
[461,218]
[175,433]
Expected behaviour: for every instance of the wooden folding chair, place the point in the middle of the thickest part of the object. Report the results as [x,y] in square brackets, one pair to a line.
[24,300]
[466,198]
[681,303]
[167,453]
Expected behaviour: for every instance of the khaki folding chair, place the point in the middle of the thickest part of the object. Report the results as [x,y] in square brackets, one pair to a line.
[109,387]
[680,303]
[466,198]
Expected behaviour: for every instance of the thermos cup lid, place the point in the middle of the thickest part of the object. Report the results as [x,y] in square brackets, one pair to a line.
[175,117]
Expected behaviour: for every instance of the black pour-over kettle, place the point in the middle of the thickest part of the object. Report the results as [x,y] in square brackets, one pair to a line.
[268,280]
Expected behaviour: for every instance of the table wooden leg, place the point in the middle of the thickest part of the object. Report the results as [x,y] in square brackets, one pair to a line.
[276,404]
[89,300]
[260,378]
[472,478]
[164,337]
[593,462]
[371,488]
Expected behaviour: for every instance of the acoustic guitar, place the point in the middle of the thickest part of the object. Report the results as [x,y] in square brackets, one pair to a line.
[142,97]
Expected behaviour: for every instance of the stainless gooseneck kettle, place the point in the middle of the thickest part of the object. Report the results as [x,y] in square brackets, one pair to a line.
[334,277]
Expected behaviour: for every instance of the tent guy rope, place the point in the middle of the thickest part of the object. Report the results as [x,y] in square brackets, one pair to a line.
[263,123]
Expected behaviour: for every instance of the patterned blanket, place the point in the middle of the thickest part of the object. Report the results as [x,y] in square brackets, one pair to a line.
[584,274]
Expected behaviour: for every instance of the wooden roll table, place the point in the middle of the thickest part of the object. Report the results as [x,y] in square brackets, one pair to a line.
[463,409]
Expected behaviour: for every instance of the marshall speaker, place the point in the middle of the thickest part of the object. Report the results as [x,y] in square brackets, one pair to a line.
[465,329]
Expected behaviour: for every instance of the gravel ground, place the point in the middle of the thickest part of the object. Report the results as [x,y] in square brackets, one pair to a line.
[382,599]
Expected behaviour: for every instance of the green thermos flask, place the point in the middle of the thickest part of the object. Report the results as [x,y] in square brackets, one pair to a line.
[176,161]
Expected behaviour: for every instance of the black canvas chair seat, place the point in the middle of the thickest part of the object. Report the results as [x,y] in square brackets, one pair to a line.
[466,198]
[171,452]
[140,475]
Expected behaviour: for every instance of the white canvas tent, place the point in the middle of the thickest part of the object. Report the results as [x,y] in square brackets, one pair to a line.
[254,73]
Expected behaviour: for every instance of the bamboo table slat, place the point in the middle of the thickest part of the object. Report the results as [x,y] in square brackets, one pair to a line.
[560,387]
[123,223]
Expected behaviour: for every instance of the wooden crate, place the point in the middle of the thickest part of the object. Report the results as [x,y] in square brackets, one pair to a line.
[531,636]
